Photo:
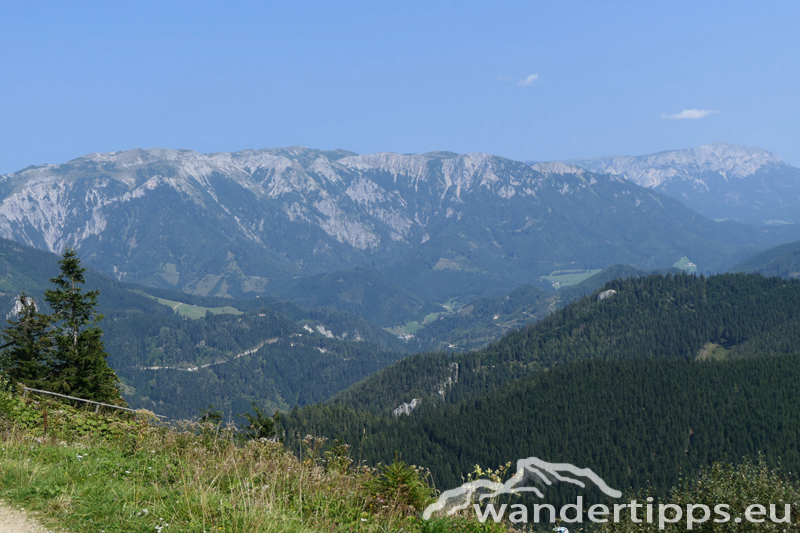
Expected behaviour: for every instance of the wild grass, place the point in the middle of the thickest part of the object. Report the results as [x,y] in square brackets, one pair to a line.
[91,472]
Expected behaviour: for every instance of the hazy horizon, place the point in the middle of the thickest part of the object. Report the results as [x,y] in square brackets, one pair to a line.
[527,82]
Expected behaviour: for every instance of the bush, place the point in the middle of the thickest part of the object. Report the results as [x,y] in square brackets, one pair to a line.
[402,485]
[738,486]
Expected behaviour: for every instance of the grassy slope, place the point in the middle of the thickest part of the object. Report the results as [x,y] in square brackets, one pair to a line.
[195,312]
[116,473]
[109,473]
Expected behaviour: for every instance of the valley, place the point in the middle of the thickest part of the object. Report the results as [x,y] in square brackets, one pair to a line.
[614,381]
[400,267]
[494,336]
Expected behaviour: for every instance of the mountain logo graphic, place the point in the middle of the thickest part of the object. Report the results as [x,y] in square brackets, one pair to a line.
[530,469]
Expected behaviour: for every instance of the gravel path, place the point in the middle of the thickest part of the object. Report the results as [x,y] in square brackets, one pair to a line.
[16,521]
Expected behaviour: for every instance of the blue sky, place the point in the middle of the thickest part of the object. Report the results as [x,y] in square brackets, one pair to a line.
[525,80]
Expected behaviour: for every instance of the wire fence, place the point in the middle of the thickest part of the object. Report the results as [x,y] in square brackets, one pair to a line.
[98,404]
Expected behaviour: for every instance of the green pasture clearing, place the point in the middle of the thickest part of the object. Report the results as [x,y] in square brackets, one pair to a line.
[685,264]
[195,311]
[712,351]
[410,327]
[451,305]
[565,278]
[432,316]
[414,326]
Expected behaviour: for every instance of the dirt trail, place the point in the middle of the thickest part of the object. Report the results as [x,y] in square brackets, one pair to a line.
[17,521]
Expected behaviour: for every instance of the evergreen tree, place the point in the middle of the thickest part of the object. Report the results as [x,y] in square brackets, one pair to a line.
[260,425]
[80,354]
[28,349]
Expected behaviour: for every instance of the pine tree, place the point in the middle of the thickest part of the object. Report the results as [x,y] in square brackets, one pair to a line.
[28,349]
[80,355]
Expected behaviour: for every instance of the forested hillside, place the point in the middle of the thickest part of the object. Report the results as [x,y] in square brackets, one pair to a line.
[783,261]
[674,316]
[26,269]
[635,422]
[361,291]
[646,380]
[175,366]
[275,354]
[486,319]
[261,350]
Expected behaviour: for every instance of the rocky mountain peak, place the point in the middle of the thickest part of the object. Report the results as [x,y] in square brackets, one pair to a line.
[726,159]
[720,180]
[557,167]
[234,223]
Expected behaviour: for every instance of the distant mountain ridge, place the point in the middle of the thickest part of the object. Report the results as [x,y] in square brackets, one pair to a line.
[439,225]
[719,180]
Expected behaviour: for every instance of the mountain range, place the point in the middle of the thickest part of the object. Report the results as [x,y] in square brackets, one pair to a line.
[719,180]
[550,309]
[465,247]
[438,225]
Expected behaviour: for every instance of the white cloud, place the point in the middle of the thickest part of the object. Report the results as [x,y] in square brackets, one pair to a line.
[528,81]
[689,114]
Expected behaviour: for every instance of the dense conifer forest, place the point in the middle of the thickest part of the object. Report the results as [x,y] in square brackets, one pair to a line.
[637,423]
[174,366]
[675,316]
[664,376]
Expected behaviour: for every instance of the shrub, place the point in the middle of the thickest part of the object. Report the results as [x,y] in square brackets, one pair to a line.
[738,486]
[402,485]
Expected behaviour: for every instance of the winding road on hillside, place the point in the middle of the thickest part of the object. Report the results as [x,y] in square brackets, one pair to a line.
[196,368]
